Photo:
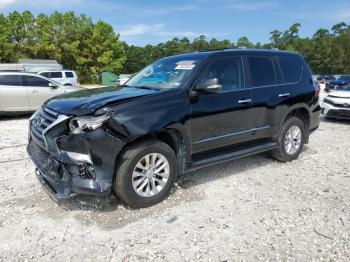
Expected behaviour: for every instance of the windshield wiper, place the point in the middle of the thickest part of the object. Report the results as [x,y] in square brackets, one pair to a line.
[143,87]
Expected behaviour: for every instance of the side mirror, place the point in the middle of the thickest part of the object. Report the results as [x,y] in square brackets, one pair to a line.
[209,86]
[53,86]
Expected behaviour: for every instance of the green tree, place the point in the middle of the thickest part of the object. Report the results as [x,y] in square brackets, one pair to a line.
[244,42]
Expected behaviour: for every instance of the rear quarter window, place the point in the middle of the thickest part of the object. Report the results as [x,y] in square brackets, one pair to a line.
[46,74]
[10,80]
[56,74]
[262,71]
[291,67]
[69,74]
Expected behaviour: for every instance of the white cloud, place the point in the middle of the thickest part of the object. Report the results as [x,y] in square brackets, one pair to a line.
[40,3]
[155,30]
[250,5]
[55,4]
[334,14]
[141,29]
[338,14]
[6,3]
[169,9]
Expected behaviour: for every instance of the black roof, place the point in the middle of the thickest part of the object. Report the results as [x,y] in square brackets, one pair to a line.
[242,51]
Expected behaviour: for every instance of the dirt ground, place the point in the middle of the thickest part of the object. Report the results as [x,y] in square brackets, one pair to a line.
[248,209]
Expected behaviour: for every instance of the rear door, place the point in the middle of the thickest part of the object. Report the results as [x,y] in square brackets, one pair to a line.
[13,95]
[39,90]
[221,119]
[57,76]
[272,81]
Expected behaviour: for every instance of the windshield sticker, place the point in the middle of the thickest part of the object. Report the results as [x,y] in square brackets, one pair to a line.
[185,65]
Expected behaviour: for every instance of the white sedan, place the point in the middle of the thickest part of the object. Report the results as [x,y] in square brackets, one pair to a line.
[25,92]
[337,105]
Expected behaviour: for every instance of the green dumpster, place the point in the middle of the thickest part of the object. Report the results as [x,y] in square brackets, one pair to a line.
[109,78]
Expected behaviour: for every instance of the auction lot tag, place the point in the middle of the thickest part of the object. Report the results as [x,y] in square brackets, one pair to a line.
[185,65]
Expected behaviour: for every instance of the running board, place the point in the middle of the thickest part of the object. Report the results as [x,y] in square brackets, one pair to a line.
[228,155]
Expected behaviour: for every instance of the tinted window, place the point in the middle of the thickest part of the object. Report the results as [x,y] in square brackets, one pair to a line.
[36,81]
[227,70]
[291,67]
[56,75]
[10,80]
[46,74]
[69,74]
[262,71]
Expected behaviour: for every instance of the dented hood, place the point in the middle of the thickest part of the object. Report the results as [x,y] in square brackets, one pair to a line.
[88,100]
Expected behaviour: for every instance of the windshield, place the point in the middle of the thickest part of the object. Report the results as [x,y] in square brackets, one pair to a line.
[165,73]
[344,78]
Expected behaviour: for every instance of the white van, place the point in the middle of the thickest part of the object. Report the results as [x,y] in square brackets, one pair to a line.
[64,77]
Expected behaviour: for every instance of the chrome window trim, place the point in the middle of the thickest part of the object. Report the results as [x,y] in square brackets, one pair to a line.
[232,134]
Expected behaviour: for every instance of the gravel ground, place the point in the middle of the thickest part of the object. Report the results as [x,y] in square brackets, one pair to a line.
[249,209]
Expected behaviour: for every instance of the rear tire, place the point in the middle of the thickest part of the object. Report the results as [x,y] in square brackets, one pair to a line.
[290,141]
[138,183]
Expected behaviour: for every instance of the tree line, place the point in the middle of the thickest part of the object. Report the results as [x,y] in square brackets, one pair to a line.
[78,43]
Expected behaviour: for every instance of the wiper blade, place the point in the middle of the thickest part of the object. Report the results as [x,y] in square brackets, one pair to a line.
[145,87]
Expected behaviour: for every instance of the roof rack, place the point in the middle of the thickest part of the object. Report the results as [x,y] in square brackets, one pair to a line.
[216,49]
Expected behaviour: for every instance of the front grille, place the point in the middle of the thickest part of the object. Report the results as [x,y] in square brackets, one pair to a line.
[42,120]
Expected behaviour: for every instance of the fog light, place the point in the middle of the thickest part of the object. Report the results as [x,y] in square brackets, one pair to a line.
[79,157]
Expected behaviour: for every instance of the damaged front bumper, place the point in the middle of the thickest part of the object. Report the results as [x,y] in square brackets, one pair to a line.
[70,164]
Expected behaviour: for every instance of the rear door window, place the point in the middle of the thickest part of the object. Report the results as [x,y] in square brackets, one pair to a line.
[46,74]
[69,74]
[36,81]
[291,67]
[262,71]
[10,80]
[56,75]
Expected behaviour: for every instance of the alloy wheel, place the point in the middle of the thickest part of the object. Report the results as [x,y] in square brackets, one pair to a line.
[292,140]
[150,175]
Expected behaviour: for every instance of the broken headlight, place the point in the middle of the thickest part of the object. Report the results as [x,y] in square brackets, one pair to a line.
[79,125]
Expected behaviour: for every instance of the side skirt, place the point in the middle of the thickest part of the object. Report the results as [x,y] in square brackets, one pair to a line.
[230,154]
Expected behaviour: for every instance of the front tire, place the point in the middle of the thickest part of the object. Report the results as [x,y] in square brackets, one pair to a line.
[290,141]
[145,173]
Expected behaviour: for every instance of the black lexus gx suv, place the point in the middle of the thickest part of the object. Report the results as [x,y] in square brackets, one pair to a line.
[178,114]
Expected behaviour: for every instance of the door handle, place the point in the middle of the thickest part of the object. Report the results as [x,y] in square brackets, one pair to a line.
[35,91]
[244,101]
[284,95]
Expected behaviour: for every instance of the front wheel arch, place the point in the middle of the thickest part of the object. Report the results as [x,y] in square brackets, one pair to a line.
[122,182]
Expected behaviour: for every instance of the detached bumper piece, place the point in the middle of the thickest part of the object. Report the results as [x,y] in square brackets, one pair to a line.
[344,114]
[70,164]
[332,110]
[54,190]
[57,178]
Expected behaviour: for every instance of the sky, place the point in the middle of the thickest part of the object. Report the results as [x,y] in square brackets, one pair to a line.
[154,21]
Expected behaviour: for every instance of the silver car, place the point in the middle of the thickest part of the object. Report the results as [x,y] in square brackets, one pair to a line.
[25,92]
[337,105]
